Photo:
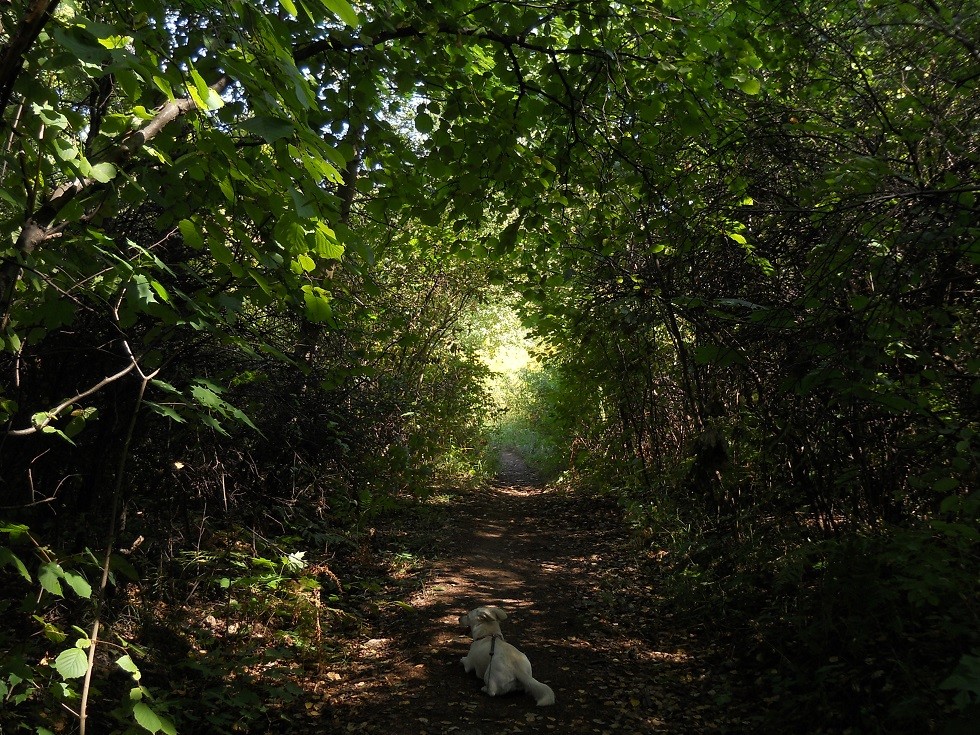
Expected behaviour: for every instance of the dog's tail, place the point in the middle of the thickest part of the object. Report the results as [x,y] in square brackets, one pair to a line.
[541,692]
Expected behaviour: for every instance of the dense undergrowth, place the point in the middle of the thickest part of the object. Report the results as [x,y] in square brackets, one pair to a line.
[229,635]
[242,529]
[836,628]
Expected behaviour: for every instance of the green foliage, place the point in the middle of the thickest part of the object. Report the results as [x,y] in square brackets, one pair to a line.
[758,300]
[259,588]
[744,236]
[151,721]
[37,677]
[531,422]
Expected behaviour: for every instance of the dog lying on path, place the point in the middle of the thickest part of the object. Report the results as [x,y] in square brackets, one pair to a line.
[501,666]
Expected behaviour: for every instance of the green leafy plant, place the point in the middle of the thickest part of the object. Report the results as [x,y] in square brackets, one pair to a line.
[46,579]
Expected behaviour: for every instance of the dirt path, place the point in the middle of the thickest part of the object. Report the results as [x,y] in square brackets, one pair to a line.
[564,570]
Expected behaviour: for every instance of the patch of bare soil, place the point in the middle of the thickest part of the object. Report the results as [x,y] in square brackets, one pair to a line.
[565,570]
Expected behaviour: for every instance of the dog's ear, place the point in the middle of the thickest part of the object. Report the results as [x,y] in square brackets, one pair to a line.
[497,613]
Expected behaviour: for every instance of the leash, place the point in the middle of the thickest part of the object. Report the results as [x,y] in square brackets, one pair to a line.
[493,644]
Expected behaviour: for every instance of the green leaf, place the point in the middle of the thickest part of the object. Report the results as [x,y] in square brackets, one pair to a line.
[49,576]
[710,354]
[205,396]
[431,216]
[326,245]
[167,411]
[302,202]
[51,632]
[129,666]
[343,10]
[289,6]
[161,291]
[81,45]
[64,149]
[190,233]
[220,252]
[750,85]
[291,234]
[508,238]
[270,129]
[317,304]
[141,291]
[122,565]
[306,263]
[57,432]
[228,189]
[85,641]
[199,84]
[424,123]
[14,530]
[150,720]
[72,663]
[204,97]
[164,86]
[103,172]
[79,584]
[75,425]
[9,558]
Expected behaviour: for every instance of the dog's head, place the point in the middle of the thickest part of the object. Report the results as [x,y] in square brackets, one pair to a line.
[483,620]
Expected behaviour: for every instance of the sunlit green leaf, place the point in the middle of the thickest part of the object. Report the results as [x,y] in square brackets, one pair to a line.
[129,666]
[152,721]
[343,10]
[8,558]
[317,302]
[79,584]
[72,663]
[49,576]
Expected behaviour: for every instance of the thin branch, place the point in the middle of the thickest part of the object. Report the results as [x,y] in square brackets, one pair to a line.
[53,413]
[107,562]
[13,53]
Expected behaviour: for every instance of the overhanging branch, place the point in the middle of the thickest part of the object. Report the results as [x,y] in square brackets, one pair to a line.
[41,224]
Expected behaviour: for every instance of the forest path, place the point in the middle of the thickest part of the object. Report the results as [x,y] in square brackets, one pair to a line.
[563,568]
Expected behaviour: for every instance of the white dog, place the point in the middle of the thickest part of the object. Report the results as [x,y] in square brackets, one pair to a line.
[501,666]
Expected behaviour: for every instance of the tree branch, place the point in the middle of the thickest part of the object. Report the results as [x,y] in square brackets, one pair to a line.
[53,413]
[333,43]
[12,54]
[39,227]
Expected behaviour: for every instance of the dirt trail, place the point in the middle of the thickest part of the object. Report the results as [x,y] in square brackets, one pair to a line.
[562,568]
